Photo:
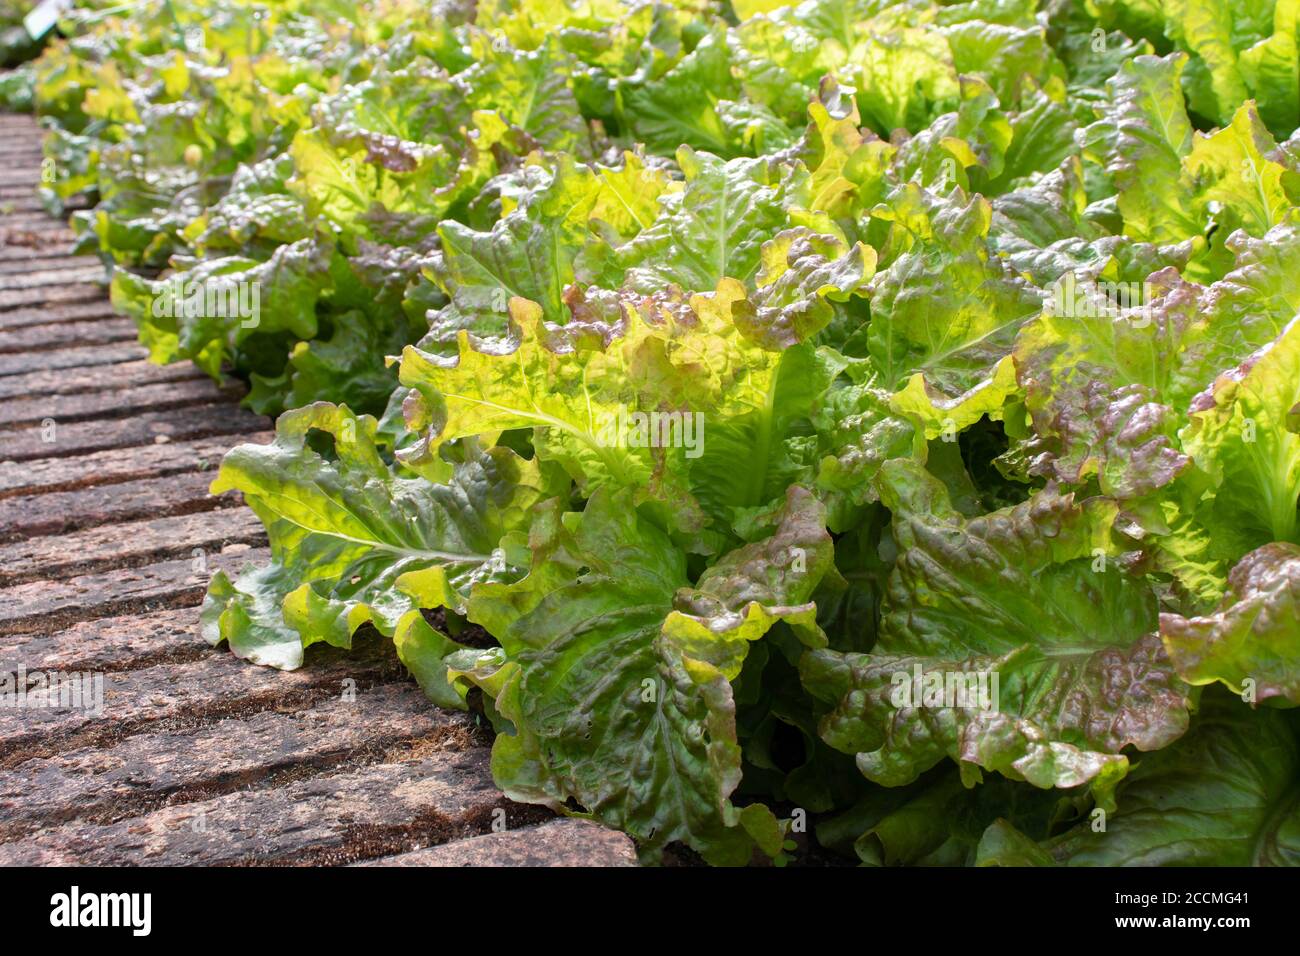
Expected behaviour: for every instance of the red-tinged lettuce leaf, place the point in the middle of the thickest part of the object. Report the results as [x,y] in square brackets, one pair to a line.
[1235,182]
[938,821]
[802,274]
[1042,136]
[1245,433]
[1140,139]
[1111,371]
[1253,302]
[858,430]
[1239,52]
[399,142]
[1104,386]
[621,702]
[1110,389]
[257,208]
[1174,184]
[715,228]
[1251,642]
[578,386]
[946,311]
[1049,212]
[1271,70]
[971,142]
[905,71]
[1205,29]
[732,366]
[699,104]
[534,251]
[1026,594]
[1003,845]
[781,53]
[748,590]
[849,166]
[530,89]
[776,412]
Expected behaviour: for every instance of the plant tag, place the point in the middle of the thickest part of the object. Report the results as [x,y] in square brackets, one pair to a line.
[43,17]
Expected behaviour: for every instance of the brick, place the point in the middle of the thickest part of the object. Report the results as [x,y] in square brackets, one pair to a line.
[93,378]
[108,643]
[66,292]
[59,512]
[132,543]
[113,402]
[66,335]
[114,790]
[81,437]
[21,201]
[322,820]
[44,605]
[30,478]
[48,262]
[25,243]
[58,276]
[18,243]
[176,693]
[75,357]
[558,843]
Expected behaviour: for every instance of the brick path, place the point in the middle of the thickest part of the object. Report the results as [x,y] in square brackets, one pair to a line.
[197,757]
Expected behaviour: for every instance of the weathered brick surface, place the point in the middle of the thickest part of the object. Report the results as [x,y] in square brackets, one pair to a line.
[108,467]
[258,748]
[67,292]
[107,643]
[43,605]
[34,218]
[56,276]
[81,437]
[121,403]
[554,843]
[17,242]
[130,543]
[55,335]
[93,378]
[18,203]
[333,818]
[16,247]
[75,357]
[59,512]
[49,261]
[214,686]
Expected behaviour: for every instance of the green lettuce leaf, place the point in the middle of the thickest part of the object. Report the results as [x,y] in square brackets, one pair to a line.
[352,542]
[1225,795]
